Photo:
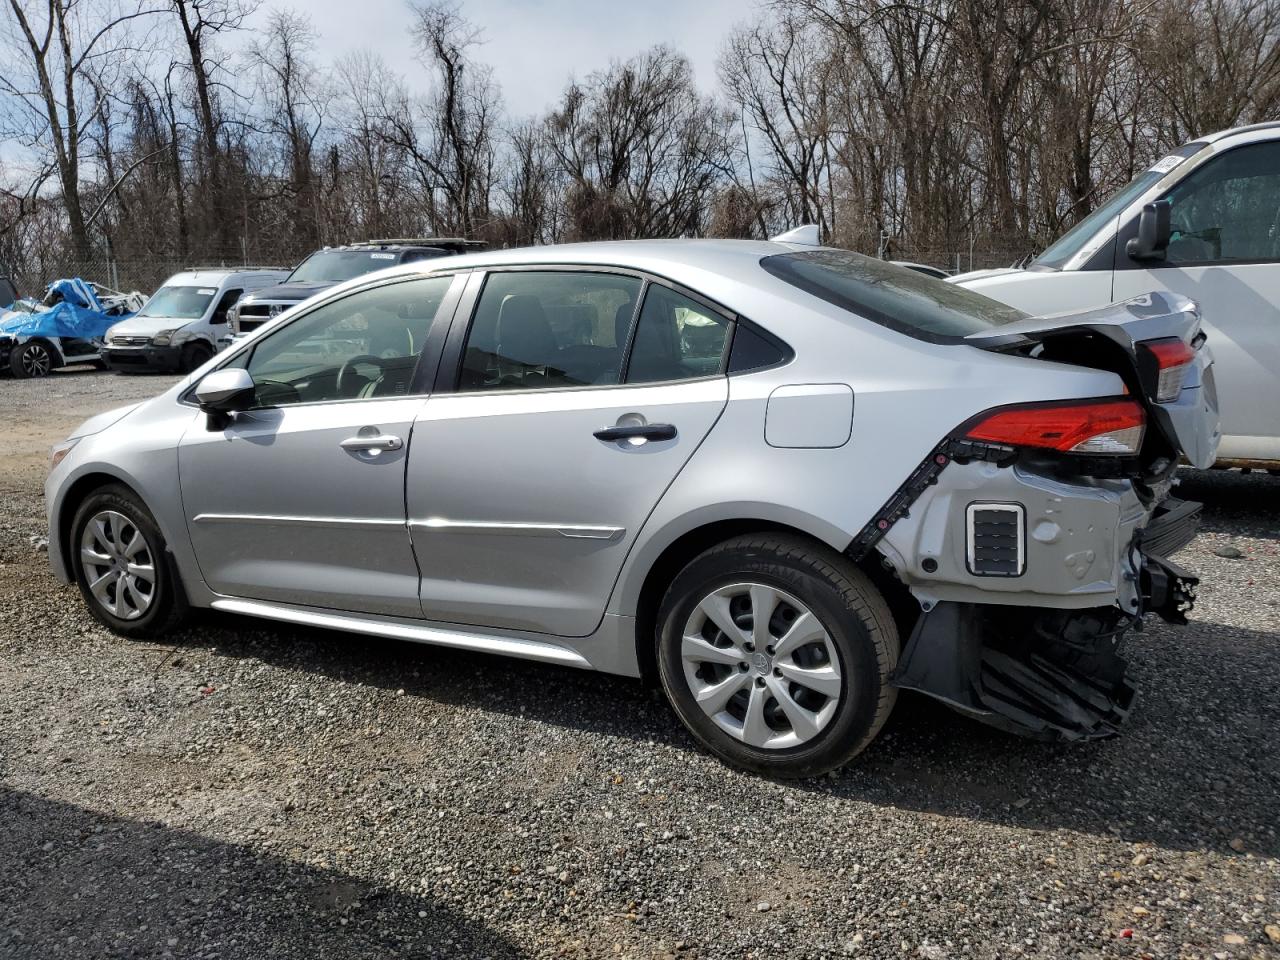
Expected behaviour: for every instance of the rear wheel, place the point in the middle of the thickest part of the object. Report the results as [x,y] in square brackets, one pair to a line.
[31,360]
[122,567]
[776,653]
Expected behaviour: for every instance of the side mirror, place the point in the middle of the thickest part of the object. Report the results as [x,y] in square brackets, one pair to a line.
[1154,232]
[224,392]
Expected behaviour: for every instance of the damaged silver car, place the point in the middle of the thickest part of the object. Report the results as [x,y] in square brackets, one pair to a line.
[783,481]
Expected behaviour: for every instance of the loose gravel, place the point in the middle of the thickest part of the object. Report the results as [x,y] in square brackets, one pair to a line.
[251,790]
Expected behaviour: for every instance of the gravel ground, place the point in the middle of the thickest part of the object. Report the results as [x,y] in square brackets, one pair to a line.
[260,791]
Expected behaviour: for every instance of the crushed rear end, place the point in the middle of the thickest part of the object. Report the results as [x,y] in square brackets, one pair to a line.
[1034,537]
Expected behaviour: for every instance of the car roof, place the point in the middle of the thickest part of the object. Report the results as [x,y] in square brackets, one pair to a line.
[1249,128]
[218,275]
[668,258]
[407,243]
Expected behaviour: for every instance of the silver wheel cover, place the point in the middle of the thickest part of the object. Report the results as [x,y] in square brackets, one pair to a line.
[118,566]
[761,665]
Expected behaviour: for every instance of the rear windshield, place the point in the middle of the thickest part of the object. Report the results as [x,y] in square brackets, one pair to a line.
[180,303]
[905,300]
[333,266]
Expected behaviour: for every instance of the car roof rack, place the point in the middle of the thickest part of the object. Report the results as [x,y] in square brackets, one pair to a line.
[234,268]
[446,242]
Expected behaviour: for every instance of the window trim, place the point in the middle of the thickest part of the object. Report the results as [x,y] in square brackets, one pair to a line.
[1129,229]
[449,374]
[425,366]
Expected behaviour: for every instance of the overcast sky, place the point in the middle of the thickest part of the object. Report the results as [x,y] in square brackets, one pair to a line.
[534,45]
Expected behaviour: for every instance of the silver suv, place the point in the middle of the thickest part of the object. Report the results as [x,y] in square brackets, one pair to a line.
[781,480]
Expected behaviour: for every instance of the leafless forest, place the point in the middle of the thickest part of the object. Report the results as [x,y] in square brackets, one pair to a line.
[140,135]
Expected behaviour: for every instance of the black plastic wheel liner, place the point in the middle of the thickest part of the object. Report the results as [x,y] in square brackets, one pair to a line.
[1047,674]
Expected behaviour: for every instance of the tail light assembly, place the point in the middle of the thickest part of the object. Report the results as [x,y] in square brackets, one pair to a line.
[1092,427]
[1165,364]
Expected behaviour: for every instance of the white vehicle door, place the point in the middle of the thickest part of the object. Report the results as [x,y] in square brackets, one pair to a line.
[301,499]
[1225,255]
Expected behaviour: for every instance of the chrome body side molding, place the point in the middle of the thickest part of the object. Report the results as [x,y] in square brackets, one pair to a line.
[570,530]
[279,520]
[398,629]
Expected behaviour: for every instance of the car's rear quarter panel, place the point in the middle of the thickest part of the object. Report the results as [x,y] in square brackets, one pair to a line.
[908,396]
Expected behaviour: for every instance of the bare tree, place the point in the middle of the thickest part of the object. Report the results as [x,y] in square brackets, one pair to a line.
[641,150]
[51,103]
[292,102]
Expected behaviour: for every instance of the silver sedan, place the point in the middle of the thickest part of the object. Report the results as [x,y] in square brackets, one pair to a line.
[782,481]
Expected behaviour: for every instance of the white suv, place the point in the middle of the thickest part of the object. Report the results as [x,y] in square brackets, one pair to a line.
[1203,223]
[179,328]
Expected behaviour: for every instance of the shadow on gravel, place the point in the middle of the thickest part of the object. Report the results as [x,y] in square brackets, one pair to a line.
[82,884]
[1235,503]
[1196,767]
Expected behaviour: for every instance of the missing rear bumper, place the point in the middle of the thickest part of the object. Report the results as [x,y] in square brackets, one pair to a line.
[1047,674]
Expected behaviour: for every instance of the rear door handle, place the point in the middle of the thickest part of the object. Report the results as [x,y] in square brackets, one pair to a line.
[640,431]
[376,443]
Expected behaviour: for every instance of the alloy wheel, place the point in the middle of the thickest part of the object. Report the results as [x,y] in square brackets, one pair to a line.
[761,665]
[36,361]
[118,565]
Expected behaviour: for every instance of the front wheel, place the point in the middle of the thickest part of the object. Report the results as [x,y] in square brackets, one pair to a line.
[776,653]
[122,567]
[32,360]
[194,356]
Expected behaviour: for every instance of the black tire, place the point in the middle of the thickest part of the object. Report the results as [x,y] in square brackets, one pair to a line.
[168,603]
[195,355]
[852,612]
[35,358]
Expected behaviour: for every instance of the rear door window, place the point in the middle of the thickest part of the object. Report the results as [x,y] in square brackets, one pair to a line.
[893,296]
[537,329]
[676,338]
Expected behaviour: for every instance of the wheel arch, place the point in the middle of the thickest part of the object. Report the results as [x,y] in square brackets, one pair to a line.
[676,555]
[55,355]
[76,493]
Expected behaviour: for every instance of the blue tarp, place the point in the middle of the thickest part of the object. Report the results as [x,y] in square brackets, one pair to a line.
[78,316]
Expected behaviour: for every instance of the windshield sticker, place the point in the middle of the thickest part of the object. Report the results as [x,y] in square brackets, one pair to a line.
[206,291]
[1168,163]
[383,256]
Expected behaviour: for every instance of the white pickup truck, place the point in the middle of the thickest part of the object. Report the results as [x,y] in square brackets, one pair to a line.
[1203,222]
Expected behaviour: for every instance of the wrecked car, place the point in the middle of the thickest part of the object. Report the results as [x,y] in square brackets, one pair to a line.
[782,481]
[65,327]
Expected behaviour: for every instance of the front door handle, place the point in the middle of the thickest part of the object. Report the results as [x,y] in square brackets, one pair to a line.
[638,431]
[373,443]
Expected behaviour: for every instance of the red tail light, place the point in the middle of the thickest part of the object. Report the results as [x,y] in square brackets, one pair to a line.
[1172,358]
[1089,426]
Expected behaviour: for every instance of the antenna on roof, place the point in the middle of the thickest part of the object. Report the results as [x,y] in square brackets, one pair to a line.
[807,234]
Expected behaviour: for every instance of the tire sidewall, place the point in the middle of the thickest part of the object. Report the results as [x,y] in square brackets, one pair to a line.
[16,360]
[160,612]
[856,712]
[195,356]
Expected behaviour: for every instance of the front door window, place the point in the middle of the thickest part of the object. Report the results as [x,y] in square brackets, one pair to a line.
[1228,211]
[362,346]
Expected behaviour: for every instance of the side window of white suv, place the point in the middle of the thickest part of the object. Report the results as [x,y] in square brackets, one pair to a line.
[1228,211]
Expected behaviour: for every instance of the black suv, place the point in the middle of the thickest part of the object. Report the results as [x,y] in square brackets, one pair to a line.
[330,266]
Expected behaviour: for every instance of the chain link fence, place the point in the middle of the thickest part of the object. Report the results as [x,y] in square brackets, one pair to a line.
[146,274]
